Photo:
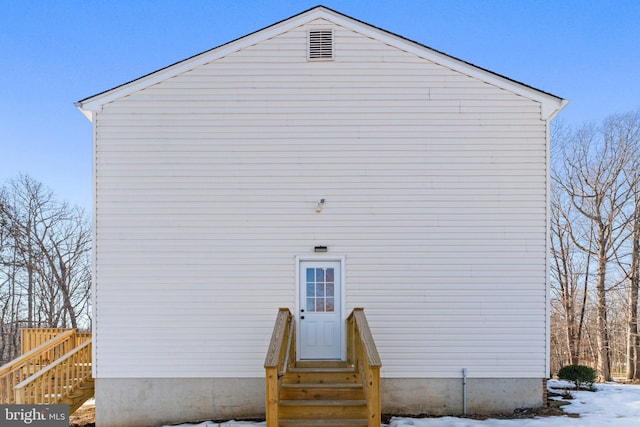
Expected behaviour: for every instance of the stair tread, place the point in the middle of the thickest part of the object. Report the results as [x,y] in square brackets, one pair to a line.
[323,363]
[321,369]
[324,422]
[328,402]
[322,385]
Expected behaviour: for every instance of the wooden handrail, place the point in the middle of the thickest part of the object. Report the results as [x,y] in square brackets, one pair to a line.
[31,362]
[278,359]
[58,380]
[276,346]
[369,345]
[31,338]
[362,352]
[287,355]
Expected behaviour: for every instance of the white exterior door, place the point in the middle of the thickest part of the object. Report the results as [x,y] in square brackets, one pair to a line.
[320,310]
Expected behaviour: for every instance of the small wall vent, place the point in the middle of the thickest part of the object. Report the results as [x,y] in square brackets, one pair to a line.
[320,45]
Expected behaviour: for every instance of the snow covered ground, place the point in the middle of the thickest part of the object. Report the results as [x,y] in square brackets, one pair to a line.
[611,405]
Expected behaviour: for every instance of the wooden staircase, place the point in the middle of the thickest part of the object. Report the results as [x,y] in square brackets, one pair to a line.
[323,393]
[54,368]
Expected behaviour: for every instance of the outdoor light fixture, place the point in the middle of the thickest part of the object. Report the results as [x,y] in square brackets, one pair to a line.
[320,249]
[319,205]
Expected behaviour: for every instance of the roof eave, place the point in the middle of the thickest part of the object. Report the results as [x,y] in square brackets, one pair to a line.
[551,104]
[85,112]
[94,103]
[552,111]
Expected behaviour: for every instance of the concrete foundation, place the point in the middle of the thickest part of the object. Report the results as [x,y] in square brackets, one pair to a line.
[148,402]
[444,396]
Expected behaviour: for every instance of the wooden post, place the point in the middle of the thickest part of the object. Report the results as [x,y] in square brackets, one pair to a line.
[351,340]
[374,400]
[367,362]
[274,361]
[272,397]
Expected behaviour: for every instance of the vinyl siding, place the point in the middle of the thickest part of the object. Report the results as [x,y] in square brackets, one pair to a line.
[206,185]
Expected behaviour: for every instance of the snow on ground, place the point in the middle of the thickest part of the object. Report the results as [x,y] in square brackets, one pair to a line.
[611,405]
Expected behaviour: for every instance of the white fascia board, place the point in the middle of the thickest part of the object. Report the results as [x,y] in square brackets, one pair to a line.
[549,110]
[551,104]
[95,103]
[87,113]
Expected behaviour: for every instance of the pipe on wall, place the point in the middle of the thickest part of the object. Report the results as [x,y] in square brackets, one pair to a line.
[464,391]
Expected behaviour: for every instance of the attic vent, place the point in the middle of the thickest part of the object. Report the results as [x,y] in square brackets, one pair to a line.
[320,45]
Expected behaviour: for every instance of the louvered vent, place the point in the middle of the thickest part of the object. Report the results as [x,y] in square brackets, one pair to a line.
[320,44]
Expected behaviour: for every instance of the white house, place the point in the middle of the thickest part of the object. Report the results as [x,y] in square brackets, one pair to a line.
[422,178]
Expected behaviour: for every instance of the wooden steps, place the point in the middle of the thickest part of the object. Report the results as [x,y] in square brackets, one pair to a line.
[316,393]
[345,391]
[56,371]
[61,395]
[79,396]
[323,423]
[324,394]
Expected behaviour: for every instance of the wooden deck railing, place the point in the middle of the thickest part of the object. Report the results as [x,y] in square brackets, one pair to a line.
[362,352]
[31,338]
[280,356]
[33,361]
[59,380]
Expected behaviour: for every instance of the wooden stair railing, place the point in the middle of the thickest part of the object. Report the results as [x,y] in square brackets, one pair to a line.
[327,393]
[363,354]
[31,338]
[280,356]
[67,380]
[33,361]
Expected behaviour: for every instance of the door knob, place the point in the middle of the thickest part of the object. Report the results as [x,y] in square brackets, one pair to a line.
[301,317]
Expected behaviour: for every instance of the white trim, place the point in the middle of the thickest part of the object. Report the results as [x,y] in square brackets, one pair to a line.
[327,258]
[95,103]
[94,234]
[550,111]
[547,277]
[551,104]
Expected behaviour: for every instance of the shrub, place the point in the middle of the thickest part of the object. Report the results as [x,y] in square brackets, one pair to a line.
[582,376]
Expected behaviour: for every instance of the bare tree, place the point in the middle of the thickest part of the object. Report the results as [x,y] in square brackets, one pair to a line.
[44,260]
[633,340]
[627,128]
[593,177]
[569,277]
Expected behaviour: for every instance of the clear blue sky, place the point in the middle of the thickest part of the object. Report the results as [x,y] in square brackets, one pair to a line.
[54,53]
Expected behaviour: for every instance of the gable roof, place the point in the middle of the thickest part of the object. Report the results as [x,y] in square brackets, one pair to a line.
[551,104]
